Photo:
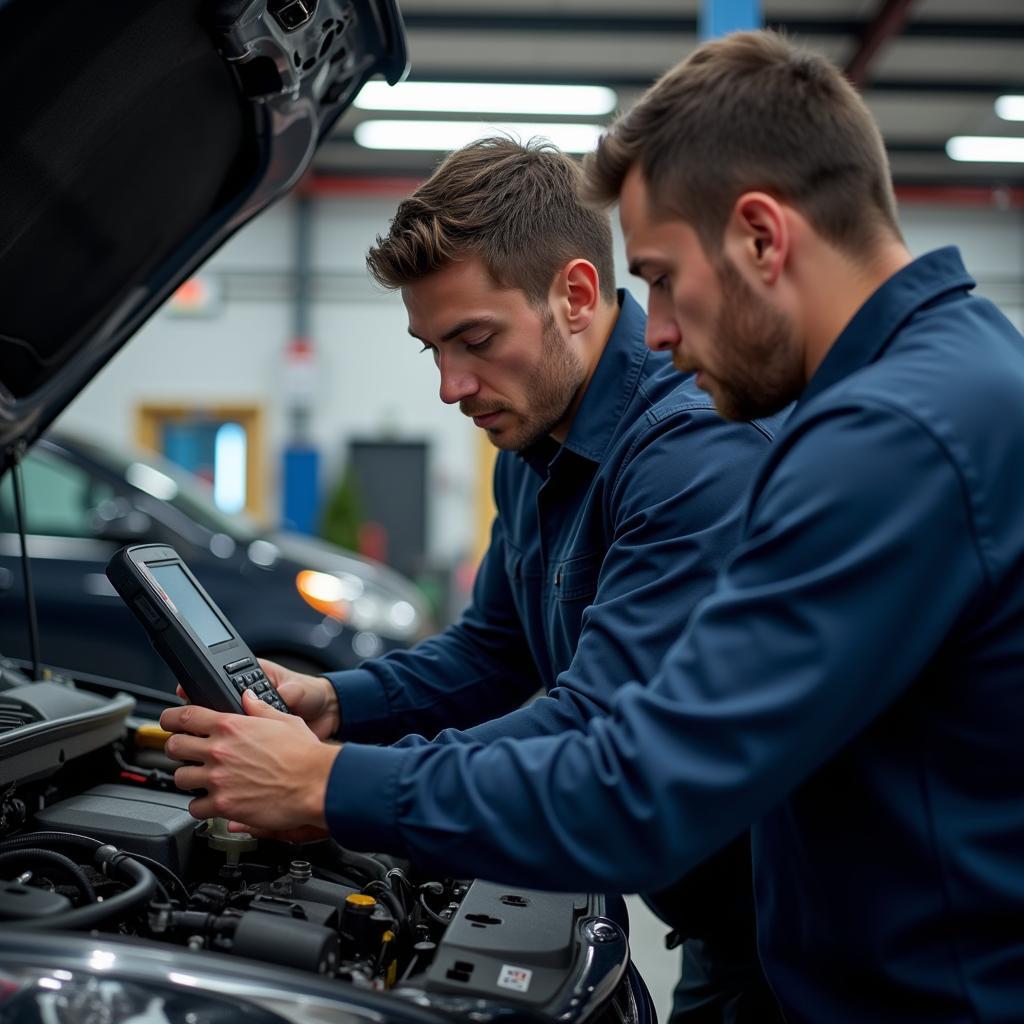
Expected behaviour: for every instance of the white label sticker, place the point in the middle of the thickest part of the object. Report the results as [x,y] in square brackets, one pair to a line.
[515,978]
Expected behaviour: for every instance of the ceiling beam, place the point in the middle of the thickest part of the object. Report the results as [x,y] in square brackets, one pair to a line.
[652,24]
[1002,198]
[890,20]
[327,180]
[532,76]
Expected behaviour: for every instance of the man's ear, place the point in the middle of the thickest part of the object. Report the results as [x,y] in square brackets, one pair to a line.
[577,291]
[757,236]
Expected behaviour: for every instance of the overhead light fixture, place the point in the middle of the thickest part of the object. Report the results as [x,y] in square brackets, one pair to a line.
[442,136]
[488,98]
[986,149]
[1010,108]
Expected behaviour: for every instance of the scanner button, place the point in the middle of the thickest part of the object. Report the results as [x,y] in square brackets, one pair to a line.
[236,665]
[152,616]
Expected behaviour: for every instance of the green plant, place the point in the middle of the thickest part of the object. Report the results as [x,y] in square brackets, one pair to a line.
[343,513]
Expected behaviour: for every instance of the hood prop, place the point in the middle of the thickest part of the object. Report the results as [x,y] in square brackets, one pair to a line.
[26,571]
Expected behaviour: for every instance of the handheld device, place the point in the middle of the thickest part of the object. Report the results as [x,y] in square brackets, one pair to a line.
[192,635]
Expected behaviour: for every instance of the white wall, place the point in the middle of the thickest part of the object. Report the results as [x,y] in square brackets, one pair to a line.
[370,380]
[991,242]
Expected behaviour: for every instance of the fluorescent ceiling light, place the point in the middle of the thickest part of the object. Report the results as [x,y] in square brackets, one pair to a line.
[487,98]
[1010,108]
[442,136]
[986,149]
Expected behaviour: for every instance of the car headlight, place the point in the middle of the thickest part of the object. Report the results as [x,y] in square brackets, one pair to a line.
[78,997]
[114,981]
[360,604]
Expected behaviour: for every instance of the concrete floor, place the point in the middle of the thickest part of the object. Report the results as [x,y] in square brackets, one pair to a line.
[658,965]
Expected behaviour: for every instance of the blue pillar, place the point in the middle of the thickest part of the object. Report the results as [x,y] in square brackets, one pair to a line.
[717,17]
[301,489]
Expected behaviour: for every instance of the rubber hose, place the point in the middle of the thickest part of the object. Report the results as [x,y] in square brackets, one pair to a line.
[385,894]
[143,885]
[73,839]
[58,860]
[361,862]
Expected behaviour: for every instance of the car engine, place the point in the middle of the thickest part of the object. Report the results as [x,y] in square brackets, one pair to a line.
[95,840]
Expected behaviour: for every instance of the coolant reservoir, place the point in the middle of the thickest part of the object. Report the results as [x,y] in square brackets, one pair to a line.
[231,844]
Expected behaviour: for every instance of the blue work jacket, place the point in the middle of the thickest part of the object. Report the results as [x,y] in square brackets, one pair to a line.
[854,686]
[600,550]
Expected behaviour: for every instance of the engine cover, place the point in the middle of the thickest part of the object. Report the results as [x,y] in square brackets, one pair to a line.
[517,944]
[144,821]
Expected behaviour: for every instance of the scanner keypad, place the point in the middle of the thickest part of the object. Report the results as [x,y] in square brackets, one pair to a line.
[246,676]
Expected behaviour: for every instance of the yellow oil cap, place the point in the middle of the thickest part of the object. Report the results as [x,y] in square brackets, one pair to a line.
[151,737]
[360,899]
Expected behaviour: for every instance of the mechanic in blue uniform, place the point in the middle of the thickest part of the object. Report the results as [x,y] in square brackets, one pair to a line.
[618,488]
[854,685]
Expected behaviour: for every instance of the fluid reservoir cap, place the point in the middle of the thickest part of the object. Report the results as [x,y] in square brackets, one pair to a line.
[601,930]
[359,900]
[231,843]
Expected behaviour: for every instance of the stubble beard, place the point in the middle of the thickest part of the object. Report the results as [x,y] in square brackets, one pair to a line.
[758,352]
[549,392]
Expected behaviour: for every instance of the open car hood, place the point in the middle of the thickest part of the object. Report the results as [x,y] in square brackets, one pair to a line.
[138,135]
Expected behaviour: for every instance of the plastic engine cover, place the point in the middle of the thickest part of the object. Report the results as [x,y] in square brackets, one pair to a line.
[144,821]
[511,943]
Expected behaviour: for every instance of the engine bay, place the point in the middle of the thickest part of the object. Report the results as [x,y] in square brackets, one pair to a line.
[95,839]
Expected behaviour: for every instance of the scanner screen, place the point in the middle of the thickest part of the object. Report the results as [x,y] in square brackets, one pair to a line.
[190,603]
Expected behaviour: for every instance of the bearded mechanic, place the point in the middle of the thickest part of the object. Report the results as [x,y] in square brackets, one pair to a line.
[618,490]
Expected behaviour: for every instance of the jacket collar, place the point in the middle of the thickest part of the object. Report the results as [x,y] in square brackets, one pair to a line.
[875,324]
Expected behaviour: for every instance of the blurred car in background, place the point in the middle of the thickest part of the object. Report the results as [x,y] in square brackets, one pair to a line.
[296,599]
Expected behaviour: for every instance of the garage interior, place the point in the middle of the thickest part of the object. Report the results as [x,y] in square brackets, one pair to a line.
[312,362]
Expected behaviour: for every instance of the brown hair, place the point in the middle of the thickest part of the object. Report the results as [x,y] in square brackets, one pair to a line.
[515,206]
[753,111]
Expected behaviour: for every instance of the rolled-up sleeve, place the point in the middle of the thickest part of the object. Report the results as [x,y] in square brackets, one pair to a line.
[860,553]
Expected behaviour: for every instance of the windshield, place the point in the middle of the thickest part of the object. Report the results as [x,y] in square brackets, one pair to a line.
[168,482]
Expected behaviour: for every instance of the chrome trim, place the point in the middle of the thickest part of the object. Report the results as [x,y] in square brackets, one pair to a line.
[83,549]
[295,995]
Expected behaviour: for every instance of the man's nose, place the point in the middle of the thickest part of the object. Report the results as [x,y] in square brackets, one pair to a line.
[661,335]
[456,384]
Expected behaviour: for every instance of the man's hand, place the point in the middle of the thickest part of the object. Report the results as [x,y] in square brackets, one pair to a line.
[312,698]
[267,769]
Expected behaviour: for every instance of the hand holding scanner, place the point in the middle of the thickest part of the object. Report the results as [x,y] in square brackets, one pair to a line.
[192,635]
